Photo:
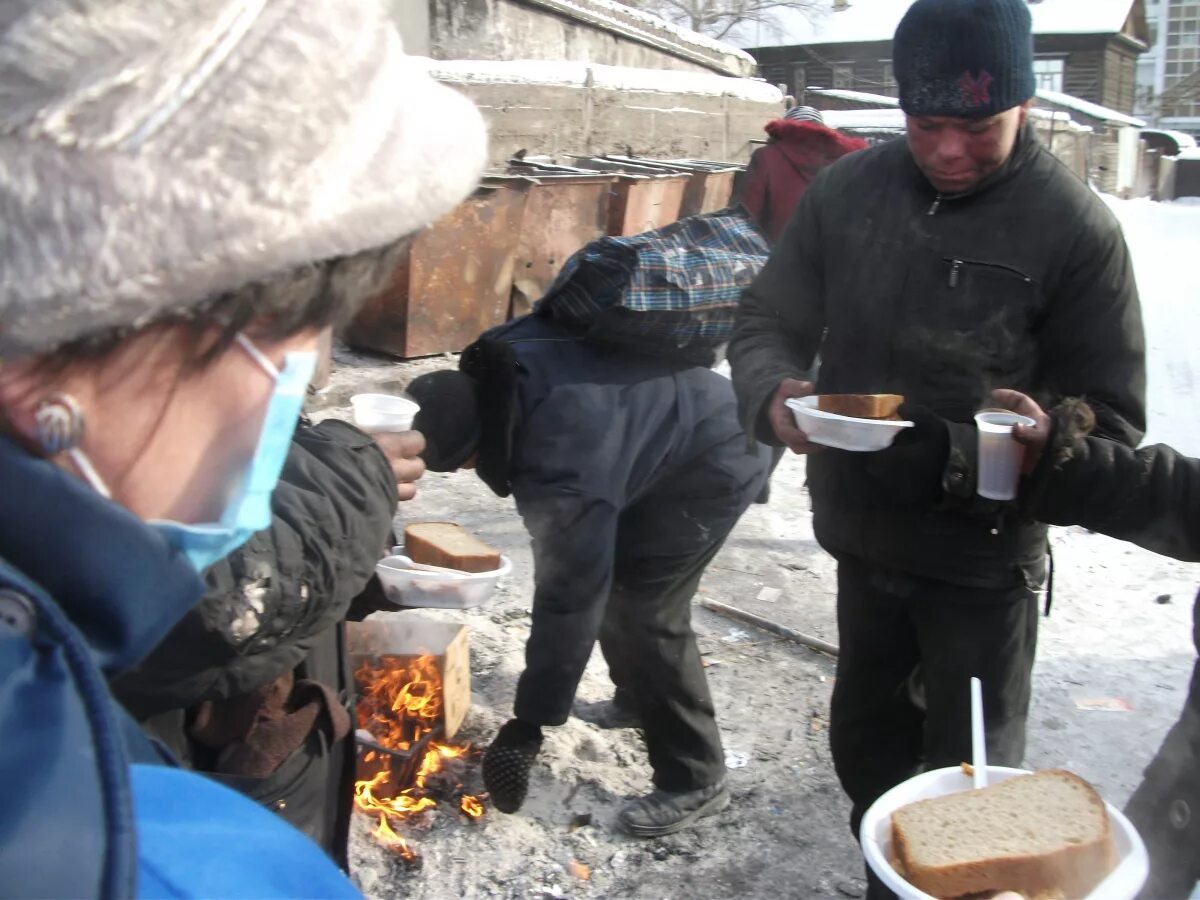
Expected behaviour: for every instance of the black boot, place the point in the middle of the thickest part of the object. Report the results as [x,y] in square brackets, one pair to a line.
[507,761]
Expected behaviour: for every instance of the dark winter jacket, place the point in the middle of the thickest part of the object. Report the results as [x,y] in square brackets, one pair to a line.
[1026,282]
[780,172]
[90,809]
[249,687]
[1151,497]
[581,435]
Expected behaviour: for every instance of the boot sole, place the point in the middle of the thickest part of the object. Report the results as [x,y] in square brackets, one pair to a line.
[715,805]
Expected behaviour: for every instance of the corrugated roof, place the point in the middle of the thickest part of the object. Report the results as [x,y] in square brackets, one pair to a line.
[876,20]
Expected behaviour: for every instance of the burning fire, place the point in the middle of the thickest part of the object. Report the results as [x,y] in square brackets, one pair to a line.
[400,704]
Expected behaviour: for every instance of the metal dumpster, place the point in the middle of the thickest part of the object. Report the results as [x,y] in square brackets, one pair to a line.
[454,280]
[645,197]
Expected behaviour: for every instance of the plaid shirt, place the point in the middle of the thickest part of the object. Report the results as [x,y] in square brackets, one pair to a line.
[673,291]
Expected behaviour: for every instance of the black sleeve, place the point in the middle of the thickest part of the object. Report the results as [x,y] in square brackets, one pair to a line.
[1150,496]
[268,601]
[1090,342]
[780,319]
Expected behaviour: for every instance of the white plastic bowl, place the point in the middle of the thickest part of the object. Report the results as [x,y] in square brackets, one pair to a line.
[842,432]
[383,412]
[1122,883]
[435,590]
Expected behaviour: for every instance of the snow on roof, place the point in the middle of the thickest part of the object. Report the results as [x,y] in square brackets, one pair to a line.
[1185,141]
[1189,153]
[1095,110]
[565,73]
[856,96]
[876,20]
[619,12]
[864,119]
[892,119]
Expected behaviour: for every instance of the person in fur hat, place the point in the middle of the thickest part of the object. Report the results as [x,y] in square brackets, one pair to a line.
[191,192]
[779,173]
[629,472]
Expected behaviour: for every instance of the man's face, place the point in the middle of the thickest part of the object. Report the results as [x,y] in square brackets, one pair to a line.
[957,154]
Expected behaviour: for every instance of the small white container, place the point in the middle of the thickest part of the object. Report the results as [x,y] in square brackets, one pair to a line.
[999,454]
[1122,883]
[843,432]
[436,590]
[383,412]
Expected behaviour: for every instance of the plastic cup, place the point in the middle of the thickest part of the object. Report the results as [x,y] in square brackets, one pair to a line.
[383,412]
[999,454]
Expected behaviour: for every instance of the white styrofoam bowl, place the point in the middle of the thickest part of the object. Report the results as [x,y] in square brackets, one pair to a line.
[875,833]
[383,412]
[434,590]
[842,432]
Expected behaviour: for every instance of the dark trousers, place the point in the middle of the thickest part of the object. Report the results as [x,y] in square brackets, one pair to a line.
[902,702]
[648,642]
[1165,808]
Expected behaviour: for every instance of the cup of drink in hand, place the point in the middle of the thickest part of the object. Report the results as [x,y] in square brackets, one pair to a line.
[999,454]
[383,412]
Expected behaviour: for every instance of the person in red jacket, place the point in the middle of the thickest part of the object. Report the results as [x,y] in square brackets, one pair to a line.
[800,146]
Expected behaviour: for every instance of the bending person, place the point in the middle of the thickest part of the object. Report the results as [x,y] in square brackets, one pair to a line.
[629,472]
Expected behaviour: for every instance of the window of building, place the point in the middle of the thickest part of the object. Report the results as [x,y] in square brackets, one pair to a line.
[843,75]
[889,78]
[1049,74]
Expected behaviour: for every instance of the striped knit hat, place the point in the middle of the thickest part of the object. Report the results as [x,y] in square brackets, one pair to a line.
[804,114]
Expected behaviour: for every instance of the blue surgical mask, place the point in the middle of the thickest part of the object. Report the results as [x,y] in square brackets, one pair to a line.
[249,507]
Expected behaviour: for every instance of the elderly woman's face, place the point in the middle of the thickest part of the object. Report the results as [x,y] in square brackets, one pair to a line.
[168,443]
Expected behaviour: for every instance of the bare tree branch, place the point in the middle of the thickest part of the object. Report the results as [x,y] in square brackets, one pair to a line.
[717,18]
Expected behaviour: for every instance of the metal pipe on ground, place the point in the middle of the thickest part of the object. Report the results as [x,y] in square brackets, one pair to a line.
[783,631]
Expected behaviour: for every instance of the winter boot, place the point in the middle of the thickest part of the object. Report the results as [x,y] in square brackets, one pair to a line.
[620,712]
[506,763]
[664,812]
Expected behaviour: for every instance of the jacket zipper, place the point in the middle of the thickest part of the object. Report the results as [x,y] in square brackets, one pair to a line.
[937,201]
[956,266]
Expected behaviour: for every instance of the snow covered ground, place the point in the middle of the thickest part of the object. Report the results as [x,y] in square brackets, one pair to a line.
[1113,663]
[1165,241]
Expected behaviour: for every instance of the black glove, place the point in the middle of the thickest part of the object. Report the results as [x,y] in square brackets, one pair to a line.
[507,761]
[909,472]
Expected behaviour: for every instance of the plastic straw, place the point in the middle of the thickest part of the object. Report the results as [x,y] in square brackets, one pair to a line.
[978,747]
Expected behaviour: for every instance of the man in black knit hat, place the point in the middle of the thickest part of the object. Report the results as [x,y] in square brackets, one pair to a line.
[962,259]
[629,472]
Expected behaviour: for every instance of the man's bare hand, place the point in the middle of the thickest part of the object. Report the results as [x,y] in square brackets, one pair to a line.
[403,450]
[1034,438]
[783,423]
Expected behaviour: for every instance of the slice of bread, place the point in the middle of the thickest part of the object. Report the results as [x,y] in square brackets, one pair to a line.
[449,545]
[1035,834]
[861,406]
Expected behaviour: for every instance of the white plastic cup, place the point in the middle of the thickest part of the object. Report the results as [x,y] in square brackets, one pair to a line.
[999,454]
[383,412]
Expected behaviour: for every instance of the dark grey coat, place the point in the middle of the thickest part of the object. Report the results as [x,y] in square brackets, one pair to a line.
[1026,282]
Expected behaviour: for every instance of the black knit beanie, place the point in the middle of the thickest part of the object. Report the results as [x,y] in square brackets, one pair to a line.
[964,58]
[449,418]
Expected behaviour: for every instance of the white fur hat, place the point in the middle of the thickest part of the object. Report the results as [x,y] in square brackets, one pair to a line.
[154,153]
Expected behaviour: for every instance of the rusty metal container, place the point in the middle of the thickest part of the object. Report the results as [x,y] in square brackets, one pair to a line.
[646,196]
[710,188]
[563,211]
[452,283]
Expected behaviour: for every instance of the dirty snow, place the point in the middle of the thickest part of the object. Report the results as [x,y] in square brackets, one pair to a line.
[1118,639]
[876,20]
[565,73]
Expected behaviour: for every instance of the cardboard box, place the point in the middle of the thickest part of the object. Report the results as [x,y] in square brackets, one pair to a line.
[408,634]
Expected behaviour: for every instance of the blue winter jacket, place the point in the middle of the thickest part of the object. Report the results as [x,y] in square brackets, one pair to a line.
[89,807]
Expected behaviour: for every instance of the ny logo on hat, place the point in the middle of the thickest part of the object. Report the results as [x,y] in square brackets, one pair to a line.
[975,90]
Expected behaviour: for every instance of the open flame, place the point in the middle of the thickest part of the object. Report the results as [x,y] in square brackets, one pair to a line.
[400,703]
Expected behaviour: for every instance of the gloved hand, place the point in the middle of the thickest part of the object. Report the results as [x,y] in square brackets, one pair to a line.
[909,472]
[507,761]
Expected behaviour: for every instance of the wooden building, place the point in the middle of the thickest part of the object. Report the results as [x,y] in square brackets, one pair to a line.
[1085,48]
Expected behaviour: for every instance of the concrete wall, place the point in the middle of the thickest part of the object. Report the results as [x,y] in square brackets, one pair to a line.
[576,30]
[551,119]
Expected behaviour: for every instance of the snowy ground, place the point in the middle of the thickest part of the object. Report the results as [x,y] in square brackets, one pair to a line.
[1113,662]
